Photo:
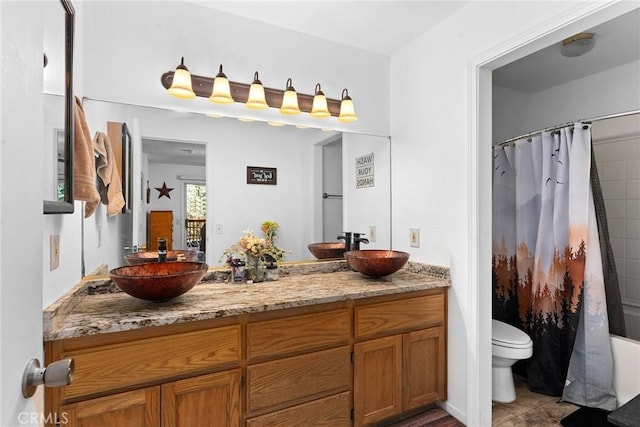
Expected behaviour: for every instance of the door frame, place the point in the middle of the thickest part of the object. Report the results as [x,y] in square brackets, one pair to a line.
[480,69]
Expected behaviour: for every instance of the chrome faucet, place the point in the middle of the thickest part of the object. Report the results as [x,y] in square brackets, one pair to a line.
[355,246]
[347,240]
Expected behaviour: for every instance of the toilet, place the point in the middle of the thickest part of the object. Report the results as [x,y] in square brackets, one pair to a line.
[508,345]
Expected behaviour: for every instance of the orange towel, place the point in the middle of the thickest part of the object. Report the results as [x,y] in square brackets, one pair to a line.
[109,182]
[84,169]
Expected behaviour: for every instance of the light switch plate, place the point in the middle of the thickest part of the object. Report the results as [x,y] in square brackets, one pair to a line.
[54,251]
[372,233]
[414,237]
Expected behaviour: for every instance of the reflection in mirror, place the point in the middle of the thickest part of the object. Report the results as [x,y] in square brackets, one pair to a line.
[58,36]
[186,148]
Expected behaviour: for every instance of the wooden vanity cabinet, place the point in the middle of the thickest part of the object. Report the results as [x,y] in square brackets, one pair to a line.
[137,379]
[347,363]
[399,357]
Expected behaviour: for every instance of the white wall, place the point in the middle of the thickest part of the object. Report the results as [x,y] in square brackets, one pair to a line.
[616,147]
[124,40]
[614,90]
[432,181]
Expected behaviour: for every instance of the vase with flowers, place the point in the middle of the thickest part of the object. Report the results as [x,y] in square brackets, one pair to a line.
[256,253]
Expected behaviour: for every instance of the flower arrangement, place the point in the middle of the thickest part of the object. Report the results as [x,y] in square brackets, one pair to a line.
[252,246]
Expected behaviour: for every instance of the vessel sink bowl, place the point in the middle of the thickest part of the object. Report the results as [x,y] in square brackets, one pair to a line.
[158,281]
[376,262]
[152,256]
[327,250]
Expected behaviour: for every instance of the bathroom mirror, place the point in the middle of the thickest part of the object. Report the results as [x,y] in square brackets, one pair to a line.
[58,80]
[179,148]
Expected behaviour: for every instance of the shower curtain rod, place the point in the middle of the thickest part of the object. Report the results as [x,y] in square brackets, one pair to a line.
[552,128]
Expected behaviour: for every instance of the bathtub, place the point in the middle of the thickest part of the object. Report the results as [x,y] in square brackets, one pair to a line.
[626,368]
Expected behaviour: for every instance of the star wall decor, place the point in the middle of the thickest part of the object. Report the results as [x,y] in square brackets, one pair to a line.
[164,191]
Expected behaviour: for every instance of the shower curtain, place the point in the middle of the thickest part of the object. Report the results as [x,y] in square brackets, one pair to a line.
[547,267]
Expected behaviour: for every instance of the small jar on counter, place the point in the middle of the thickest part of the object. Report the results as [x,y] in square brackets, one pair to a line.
[162,249]
[271,272]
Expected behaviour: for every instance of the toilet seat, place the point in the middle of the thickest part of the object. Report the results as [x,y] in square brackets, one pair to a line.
[505,335]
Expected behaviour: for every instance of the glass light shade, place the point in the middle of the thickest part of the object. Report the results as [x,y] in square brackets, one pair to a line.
[290,100]
[319,109]
[181,83]
[221,93]
[256,98]
[276,124]
[347,110]
[577,45]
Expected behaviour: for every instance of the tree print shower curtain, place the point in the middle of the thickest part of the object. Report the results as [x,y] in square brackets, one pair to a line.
[547,268]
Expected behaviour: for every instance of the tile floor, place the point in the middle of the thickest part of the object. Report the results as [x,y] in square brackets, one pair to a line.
[530,409]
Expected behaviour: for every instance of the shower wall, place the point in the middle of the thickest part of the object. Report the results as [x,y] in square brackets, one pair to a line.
[616,145]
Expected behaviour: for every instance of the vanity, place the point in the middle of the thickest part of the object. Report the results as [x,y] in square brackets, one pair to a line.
[322,346]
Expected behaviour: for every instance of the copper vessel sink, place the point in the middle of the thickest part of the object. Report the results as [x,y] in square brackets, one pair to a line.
[152,256]
[158,281]
[327,250]
[376,262]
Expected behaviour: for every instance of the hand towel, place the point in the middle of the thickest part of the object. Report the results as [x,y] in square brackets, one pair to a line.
[109,182]
[84,171]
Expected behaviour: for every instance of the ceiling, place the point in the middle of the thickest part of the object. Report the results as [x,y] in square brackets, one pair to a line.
[380,26]
[617,43]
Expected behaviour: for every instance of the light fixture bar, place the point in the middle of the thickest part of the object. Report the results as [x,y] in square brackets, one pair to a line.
[202,86]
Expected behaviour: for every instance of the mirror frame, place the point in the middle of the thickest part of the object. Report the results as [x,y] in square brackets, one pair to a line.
[127,170]
[66,206]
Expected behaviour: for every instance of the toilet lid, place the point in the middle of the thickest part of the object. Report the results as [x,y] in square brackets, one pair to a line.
[509,336]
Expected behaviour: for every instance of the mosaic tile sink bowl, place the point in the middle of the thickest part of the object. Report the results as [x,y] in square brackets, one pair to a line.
[376,262]
[158,281]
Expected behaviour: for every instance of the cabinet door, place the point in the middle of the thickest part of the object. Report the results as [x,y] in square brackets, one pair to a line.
[424,367]
[160,225]
[138,408]
[377,379]
[204,401]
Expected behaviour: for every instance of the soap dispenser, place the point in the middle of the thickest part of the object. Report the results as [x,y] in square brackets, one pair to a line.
[162,249]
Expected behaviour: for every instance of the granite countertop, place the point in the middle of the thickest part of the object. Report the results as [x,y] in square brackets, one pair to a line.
[97,306]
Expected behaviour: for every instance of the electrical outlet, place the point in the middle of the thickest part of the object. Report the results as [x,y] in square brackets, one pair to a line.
[218,228]
[414,237]
[372,233]
[54,251]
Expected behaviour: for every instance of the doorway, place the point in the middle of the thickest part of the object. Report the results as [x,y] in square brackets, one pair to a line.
[332,190]
[195,214]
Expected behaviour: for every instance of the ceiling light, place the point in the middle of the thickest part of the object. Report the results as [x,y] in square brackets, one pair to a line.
[256,95]
[276,124]
[290,100]
[181,84]
[347,110]
[577,45]
[221,93]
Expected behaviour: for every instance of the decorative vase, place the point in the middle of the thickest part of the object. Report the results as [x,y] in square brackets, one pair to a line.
[254,269]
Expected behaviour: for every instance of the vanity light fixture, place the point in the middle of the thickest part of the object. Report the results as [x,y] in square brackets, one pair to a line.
[256,99]
[347,111]
[320,109]
[181,84]
[221,93]
[290,100]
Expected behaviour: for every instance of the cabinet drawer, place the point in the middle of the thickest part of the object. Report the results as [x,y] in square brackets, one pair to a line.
[332,411]
[297,379]
[118,366]
[396,316]
[297,334]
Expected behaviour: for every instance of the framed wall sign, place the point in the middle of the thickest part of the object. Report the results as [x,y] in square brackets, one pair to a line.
[262,175]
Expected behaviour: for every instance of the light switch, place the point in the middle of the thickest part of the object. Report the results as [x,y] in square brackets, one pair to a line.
[54,251]
[414,237]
